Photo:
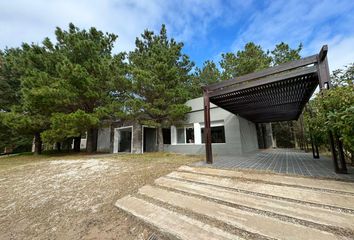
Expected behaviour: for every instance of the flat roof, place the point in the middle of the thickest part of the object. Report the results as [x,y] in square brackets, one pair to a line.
[275,94]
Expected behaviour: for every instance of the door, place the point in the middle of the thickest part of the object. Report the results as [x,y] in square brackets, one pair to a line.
[150,140]
[125,140]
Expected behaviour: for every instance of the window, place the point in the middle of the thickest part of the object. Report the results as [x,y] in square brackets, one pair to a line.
[185,135]
[217,134]
[189,135]
[180,135]
[166,135]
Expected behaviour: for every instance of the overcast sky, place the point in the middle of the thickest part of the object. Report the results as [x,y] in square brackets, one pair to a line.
[207,27]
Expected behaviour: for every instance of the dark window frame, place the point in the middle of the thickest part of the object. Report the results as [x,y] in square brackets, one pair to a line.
[217,134]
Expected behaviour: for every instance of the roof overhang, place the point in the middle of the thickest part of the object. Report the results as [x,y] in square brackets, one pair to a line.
[275,94]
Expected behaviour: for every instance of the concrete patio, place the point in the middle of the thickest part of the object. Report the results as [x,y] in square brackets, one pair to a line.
[285,161]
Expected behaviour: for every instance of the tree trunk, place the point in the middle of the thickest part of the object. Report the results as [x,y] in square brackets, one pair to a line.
[341,155]
[77,142]
[292,129]
[37,143]
[91,142]
[159,139]
[58,146]
[317,152]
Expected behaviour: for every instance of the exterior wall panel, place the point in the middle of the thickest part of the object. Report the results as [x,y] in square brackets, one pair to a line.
[103,141]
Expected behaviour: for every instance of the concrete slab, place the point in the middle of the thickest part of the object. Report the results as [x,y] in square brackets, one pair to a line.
[249,221]
[194,203]
[291,209]
[307,195]
[283,179]
[170,222]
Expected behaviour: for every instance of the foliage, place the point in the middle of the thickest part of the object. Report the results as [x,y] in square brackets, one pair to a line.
[9,96]
[77,79]
[333,109]
[338,104]
[25,66]
[159,72]
[69,125]
[282,53]
[315,122]
[91,80]
[204,76]
[9,78]
[253,58]
[9,138]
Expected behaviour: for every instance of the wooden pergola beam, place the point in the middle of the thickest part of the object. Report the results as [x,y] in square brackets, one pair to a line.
[269,71]
[263,81]
[289,85]
[275,84]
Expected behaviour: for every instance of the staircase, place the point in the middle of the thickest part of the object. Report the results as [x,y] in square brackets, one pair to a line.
[207,203]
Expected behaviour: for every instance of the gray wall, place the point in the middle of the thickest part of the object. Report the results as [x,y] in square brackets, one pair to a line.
[103,141]
[248,134]
[240,137]
[237,141]
[136,136]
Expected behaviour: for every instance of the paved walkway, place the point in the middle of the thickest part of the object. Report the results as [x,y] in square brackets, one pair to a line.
[209,203]
[287,161]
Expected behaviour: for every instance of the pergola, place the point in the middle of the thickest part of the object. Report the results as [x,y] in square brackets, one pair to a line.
[275,94]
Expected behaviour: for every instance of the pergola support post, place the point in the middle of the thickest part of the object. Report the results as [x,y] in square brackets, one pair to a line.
[325,83]
[207,129]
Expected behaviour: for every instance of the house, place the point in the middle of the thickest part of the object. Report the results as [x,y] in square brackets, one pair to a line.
[231,134]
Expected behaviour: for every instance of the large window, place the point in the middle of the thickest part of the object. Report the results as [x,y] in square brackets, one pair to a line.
[189,135]
[185,135]
[217,134]
[180,135]
[166,135]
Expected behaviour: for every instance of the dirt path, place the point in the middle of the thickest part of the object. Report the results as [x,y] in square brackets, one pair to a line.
[74,197]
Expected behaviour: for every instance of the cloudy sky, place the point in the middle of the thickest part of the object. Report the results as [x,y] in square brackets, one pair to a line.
[207,27]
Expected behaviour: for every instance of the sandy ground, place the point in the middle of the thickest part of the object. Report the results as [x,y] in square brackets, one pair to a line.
[72,197]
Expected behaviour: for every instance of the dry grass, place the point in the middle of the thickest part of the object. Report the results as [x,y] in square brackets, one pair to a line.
[73,196]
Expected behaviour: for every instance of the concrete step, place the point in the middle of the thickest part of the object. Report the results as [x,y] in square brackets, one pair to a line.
[299,181]
[245,220]
[291,209]
[307,195]
[175,224]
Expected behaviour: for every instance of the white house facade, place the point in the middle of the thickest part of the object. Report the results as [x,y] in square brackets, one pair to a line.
[231,134]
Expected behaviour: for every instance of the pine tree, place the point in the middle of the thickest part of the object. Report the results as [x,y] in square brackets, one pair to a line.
[35,68]
[161,82]
[253,58]
[69,86]
[92,80]
[204,76]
